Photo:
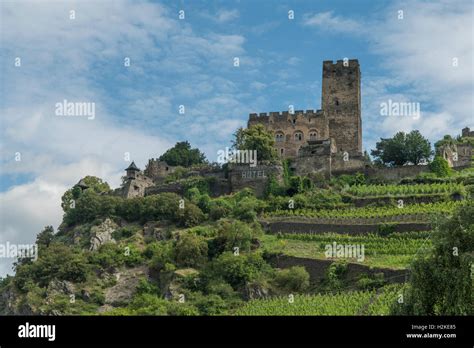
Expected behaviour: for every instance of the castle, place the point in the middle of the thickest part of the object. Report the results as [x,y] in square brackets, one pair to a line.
[327,140]
[317,143]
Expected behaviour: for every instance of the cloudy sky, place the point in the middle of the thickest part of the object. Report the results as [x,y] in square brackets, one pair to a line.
[409,51]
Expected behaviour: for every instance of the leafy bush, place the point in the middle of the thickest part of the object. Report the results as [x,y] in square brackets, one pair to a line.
[190,250]
[160,254]
[219,208]
[370,282]
[238,270]
[55,262]
[440,167]
[292,280]
[335,275]
[246,209]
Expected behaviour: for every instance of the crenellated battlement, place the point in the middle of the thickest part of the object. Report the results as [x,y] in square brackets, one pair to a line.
[339,64]
[276,116]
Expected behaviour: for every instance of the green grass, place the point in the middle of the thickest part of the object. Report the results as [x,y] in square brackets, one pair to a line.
[396,251]
[375,302]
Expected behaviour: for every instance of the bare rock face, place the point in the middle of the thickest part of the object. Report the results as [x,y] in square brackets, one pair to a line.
[124,290]
[60,287]
[254,291]
[173,290]
[102,234]
[156,230]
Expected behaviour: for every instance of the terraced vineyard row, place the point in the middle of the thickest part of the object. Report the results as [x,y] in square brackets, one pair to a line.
[407,243]
[400,190]
[347,303]
[372,212]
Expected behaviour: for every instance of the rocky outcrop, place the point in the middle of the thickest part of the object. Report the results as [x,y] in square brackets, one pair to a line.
[102,234]
[156,230]
[56,287]
[125,288]
[254,291]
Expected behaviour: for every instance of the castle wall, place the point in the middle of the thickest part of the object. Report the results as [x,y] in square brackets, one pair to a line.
[348,165]
[395,173]
[157,170]
[289,125]
[136,187]
[314,157]
[242,176]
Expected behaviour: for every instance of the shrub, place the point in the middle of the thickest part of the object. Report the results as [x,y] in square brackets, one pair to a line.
[294,279]
[386,229]
[160,253]
[247,208]
[335,275]
[235,233]
[190,216]
[190,250]
[219,208]
[368,282]
[238,270]
[440,167]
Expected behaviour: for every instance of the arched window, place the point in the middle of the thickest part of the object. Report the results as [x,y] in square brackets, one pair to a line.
[279,137]
[313,135]
[298,136]
[281,152]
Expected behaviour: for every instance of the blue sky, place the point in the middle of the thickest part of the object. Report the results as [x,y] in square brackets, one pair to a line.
[190,62]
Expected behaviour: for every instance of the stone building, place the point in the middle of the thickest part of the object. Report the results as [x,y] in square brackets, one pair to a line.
[135,183]
[324,140]
[158,170]
[466,132]
[458,155]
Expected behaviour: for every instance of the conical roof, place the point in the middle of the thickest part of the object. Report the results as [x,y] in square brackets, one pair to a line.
[133,166]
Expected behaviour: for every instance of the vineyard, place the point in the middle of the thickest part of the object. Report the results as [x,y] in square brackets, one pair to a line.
[407,243]
[426,210]
[404,190]
[375,302]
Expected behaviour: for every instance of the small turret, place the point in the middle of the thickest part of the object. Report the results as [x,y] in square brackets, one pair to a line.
[132,171]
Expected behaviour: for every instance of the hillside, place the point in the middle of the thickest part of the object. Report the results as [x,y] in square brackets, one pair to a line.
[344,246]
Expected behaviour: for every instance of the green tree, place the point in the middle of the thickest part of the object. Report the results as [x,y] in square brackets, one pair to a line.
[238,270]
[235,233]
[45,237]
[418,148]
[440,167]
[441,280]
[402,148]
[94,183]
[256,138]
[183,155]
[190,250]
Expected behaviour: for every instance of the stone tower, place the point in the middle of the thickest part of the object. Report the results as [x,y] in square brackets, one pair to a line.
[340,101]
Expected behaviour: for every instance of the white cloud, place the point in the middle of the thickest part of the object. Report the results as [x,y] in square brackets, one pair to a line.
[227,15]
[329,22]
[65,59]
